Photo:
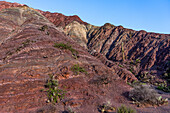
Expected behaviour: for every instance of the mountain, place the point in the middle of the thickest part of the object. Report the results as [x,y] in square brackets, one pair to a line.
[92,63]
[118,44]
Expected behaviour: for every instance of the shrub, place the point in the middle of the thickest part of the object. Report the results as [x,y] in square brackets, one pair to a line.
[62,46]
[120,65]
[164,88]
[124,109]
[138,61]
[77,69]
[67,47]
[143,94]
[54,93]
[43,28]
[106,108]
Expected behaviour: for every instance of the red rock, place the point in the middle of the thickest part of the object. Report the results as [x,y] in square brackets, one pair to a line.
[28,56]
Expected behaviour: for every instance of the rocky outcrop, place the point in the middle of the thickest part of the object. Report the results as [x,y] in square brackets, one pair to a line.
[78,32]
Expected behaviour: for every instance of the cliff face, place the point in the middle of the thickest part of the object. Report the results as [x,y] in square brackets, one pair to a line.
[108,53]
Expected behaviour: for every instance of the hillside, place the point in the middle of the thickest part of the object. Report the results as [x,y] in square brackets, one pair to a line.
[92,63]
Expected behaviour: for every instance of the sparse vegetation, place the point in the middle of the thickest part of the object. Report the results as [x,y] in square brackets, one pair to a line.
[106,108]
[131,69]
[120,65]
[24,44]
[144,77]
[124,109]
[148,78]
[130,35]
[138,61]
[53,92]
[77,69]
[134,83]
[67,47]
[135,62]
[164,87]
[143,94]
[43,28]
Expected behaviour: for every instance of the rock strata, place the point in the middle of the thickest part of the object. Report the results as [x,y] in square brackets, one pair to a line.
[110,55]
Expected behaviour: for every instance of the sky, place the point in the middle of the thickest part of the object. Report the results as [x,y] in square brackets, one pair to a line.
[148,15]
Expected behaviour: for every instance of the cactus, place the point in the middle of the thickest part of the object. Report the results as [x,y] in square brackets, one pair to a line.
[123,55]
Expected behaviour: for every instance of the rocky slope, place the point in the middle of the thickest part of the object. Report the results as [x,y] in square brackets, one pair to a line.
[28,55]
[139,52]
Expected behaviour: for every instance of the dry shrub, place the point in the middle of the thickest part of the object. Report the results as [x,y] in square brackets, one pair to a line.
[124,109]
[144,94]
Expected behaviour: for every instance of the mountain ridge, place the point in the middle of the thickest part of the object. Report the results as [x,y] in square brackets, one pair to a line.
[108,53]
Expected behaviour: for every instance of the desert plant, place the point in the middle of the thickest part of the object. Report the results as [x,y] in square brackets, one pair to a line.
[131,69]
[24,44]
[63,46]
[123,54]
[53,92]
[135,62]
[106,108]
[138,61]
[43,28]
[130,35]
[120,65]
[77,69]
[164,88]
[67,47]
[124,109]
[134,83]
[144,94]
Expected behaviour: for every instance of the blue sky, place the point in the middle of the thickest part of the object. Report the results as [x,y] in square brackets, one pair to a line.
[149,15]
